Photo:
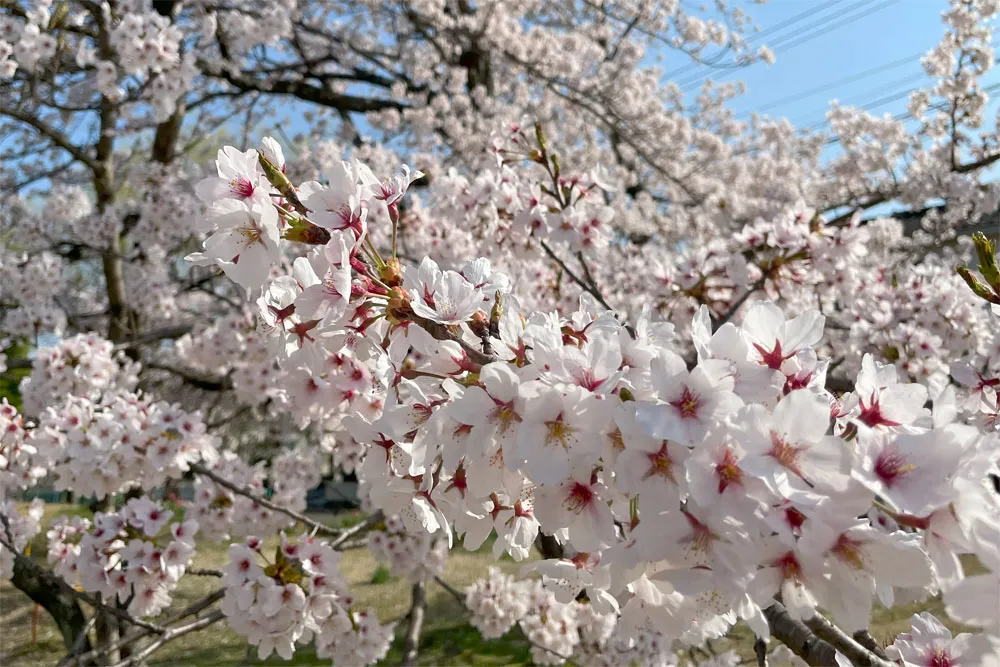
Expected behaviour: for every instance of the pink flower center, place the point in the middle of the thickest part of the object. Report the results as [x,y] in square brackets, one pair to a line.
[241,187]
[871,415]
[728,471]
[687,404]
[940,657]
[773,358]
[891,467]
[580,496]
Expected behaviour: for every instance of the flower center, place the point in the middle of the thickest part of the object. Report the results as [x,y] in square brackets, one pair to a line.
[660,464]
[580,496]
[786,455]
[940,657]
[871,415]
[891,467]
[728,471]
[559,431]
[687,404]
[504,415]
[241,187]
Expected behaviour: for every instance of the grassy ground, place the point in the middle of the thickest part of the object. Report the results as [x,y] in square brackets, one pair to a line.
[30,639]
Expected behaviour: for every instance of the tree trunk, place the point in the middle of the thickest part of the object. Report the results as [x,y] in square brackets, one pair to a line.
[63,607]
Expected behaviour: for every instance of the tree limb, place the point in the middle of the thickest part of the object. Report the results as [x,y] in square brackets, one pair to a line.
[858,654]
[321,528]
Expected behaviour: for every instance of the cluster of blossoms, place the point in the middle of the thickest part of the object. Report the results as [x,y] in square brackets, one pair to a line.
[83,366]
[692,492]
[33,283]
[120,442]
[19,467]
[135,555]
[692,472]
[298,596]
[560,627]
[19,527]
[18,471]
[413,556]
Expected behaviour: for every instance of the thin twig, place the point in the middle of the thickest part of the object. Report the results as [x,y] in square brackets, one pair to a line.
[199,469]
[735,306]
[190,610]
[80,639]
[455,593]
[345,535]
[170,635]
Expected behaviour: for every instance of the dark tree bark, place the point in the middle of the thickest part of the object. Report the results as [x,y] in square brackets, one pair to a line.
[39,585]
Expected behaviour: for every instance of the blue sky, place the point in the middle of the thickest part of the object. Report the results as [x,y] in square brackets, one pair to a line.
[856,38]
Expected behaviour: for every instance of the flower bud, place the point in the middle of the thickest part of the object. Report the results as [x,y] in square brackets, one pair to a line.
[986,250]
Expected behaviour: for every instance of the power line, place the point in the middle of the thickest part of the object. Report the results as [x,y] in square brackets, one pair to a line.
[699,76]
[826,29]
[906,114]
[850,79]
[885,99]
[833,84]
[759,35]
[800,39]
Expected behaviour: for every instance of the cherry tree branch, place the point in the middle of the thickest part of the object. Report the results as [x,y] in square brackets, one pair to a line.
[858,654]
[51,133]
[441,332]
[341,542]
[51,577]
[193,378]
[736,305]
[190,610]
[794,634]
[321,528]
[170,635]
[587,285]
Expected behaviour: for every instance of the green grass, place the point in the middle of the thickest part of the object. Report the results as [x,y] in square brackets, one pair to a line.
[448,639]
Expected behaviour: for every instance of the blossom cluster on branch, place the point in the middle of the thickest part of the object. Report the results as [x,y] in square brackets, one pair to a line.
[596,314]
[691,492]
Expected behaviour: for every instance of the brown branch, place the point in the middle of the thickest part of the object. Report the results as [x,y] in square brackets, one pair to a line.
[304,91]
[802,641]
[155,335]
[735,306]
[858,654]
[584,285]
[193,378]
[54,135]
[440,332]
[48,576]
